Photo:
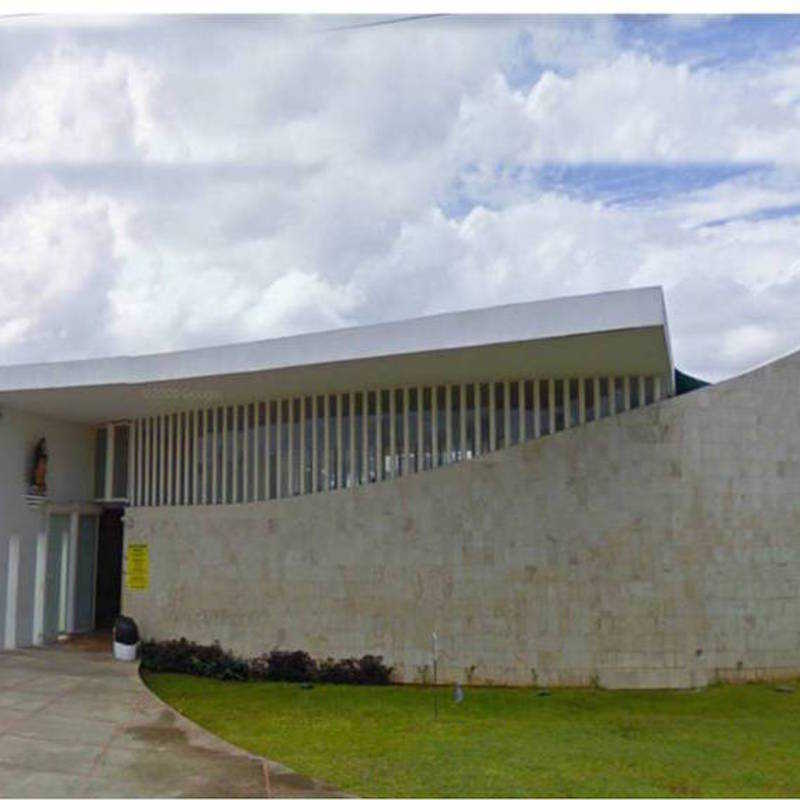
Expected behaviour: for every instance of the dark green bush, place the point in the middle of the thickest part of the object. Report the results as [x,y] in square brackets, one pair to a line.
[295,666]
[209,661]
[373,671]
[343,671]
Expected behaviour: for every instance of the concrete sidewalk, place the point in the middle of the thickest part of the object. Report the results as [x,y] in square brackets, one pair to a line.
[78,723]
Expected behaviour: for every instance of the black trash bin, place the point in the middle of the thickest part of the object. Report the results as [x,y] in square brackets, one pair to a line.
[126,639]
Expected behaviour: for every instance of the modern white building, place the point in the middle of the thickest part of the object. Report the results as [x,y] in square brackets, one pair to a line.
[337,491]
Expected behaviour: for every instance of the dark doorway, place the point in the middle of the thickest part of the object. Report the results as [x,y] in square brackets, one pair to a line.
[109,568]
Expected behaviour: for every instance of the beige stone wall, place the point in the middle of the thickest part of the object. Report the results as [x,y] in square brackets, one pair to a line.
[660,547]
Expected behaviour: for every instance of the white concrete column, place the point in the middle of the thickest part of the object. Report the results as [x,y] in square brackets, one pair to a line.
[278,449]
[162,455]
[72,574]
[537,409]
[12,586]
[214,455]
[196,412]
[406,432]
[156,449]
[224,464]
[62,589]
[244,495]
[267,443]
[492,417]
[656,388]
[301,423]
[326,444]
[378,435]
[340,483]
[139,445]
[596,397]
[149,462]
[108,488]
[581,401]
[39,584]
[642,396]
[352,464]
[235,453]
[393,432]
[365,436]
[448,423]
[566,390]
[434,427]
[314,456]
[420,428]
[187,427]
[255,478]
[290,487]
[506,413]
[147,467]
[203,499]
[170,494]
[626,389]
[612,395]
[477,419]
[551,405]
[130,489]
[178,436]
[462,421]
[521,408]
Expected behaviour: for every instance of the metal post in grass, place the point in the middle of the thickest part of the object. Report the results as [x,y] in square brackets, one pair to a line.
[435,659]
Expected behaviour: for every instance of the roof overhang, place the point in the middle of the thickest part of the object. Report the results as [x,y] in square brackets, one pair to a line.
[611,333]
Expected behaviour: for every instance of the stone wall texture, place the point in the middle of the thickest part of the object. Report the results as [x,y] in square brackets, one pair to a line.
[660,547]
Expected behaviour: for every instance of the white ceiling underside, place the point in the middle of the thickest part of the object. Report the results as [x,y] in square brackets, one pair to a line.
[612,333]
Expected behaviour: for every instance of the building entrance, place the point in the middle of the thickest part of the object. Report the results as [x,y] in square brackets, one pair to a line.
[109,568]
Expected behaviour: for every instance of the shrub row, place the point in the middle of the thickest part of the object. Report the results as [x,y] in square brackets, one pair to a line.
[211,661]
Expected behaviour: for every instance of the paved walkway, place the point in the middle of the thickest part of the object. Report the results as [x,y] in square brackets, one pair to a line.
[78,723]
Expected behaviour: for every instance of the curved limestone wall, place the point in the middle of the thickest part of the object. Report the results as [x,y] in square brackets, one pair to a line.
[660,547]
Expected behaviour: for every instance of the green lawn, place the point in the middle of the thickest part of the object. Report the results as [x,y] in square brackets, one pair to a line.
[379,741]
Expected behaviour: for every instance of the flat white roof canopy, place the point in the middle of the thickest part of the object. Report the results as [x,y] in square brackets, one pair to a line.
[623,332]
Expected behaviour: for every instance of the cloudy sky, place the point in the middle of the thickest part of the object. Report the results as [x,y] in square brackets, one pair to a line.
[170,183]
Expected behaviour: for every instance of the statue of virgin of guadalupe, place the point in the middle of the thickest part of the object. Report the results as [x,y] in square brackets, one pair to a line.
[39,471]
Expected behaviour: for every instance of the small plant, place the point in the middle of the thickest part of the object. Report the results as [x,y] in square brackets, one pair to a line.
[469,673]
[594,681]
[534,678]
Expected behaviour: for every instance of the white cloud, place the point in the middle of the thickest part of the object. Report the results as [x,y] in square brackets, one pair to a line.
[57,261]
[749,341]
[723,283]
[68,106]
[637,109]
[277,179]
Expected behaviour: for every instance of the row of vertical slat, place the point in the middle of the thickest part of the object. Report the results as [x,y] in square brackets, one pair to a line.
[283,447]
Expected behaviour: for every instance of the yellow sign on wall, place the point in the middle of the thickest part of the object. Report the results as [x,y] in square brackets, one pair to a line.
[137,567]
